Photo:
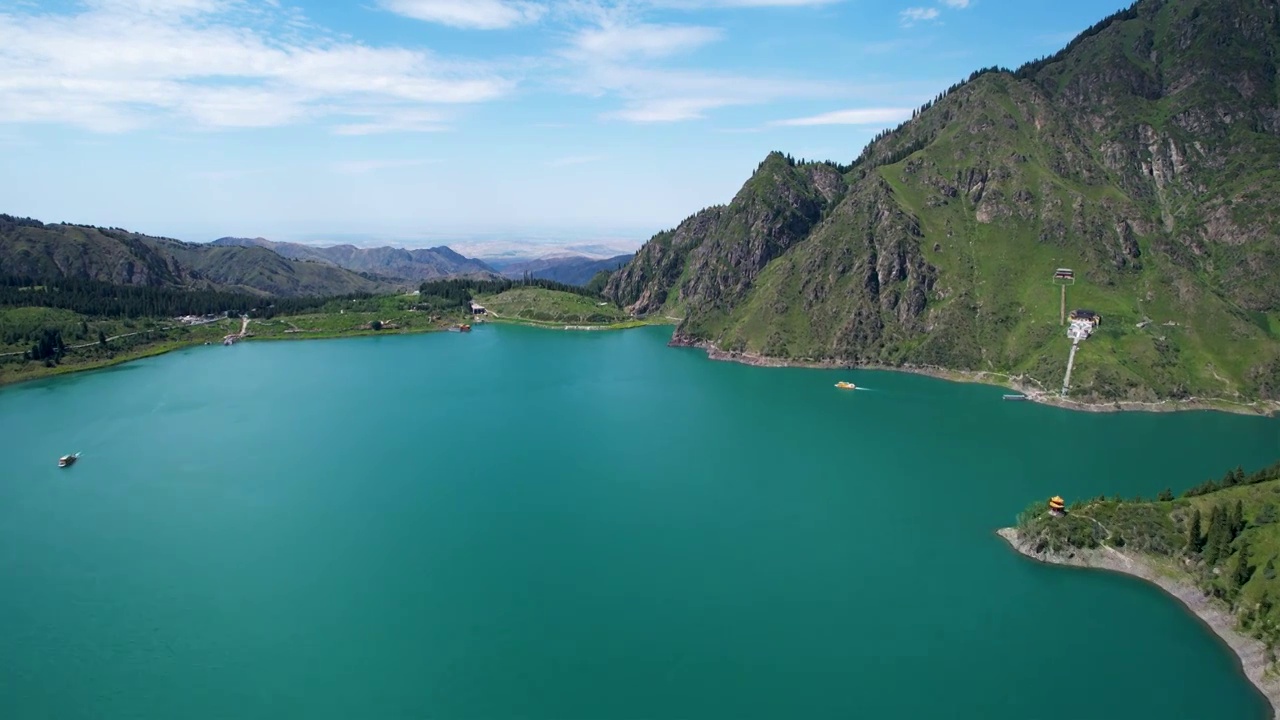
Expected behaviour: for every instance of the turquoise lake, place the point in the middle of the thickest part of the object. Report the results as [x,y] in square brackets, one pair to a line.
[520,523]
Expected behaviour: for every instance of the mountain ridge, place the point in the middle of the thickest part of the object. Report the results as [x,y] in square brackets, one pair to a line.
[410,265]
[1142,155]
[33,249]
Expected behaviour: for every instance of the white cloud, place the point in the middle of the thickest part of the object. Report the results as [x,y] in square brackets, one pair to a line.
[618,41]
[659,95]
[360,167]
[957,4]
[862,116]
[575,160]
[911,16]
[392,120]
[474,14]
[213,64]
[618,56]
[698,4]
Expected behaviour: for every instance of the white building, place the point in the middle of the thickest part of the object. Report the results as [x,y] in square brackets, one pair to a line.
[1083,323]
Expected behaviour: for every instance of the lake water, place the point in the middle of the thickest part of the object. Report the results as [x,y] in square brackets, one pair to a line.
[518,523]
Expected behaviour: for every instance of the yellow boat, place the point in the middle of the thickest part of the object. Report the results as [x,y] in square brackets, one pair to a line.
[846,385]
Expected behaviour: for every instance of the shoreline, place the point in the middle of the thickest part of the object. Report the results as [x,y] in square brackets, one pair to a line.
[1037,395]
[175,345]
[1263,408]
[1250,652]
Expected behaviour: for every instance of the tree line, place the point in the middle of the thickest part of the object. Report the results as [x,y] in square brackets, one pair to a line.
[459,292]
[102,299]
[1233,478]
[1029,69]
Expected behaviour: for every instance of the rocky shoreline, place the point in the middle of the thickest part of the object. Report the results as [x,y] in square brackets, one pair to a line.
[1016,383]
[1251,652]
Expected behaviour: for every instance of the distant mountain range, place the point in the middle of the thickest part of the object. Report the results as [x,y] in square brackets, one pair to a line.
[30,248]
[415,265]
[442,262]
[572,269]
[34,249]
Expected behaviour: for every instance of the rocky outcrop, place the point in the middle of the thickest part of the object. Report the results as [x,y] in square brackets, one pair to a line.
[712,259]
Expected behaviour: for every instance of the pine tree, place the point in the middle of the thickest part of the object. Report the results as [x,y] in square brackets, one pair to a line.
[1240,575]
[1195,543]
[1165,495]
[1216,538]
[1235,522]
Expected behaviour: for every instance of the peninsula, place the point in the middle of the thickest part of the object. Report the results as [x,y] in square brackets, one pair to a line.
[1214,548]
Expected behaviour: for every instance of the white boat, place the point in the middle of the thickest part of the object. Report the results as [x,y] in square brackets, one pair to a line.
[66,460]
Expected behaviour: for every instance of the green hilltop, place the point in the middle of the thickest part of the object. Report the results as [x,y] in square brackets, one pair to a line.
[1145,156]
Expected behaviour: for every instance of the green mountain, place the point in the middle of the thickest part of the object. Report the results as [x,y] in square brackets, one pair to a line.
[30,248]
[1145,156]
[422,264]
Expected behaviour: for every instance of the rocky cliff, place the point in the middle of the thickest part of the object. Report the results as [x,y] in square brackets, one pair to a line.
[1143,156]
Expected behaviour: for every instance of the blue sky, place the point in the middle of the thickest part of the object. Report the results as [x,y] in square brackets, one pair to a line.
[417,121]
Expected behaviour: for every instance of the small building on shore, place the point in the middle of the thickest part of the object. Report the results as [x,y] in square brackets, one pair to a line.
[1057,507]
[1083,323]
[477,309]
[1088,316]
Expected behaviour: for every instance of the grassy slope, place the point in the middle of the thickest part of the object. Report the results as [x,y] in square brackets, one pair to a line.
[552,307]
[1018,325]
[1000,310]
[1159,531]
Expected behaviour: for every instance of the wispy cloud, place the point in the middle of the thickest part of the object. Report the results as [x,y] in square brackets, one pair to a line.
[122,64]
[700,4]
[615,42]
[911,16]
[575,160]
[392,120]
[474,14]
[860,116]
[360,167]
[221,175]
[619,54]
[661,95]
